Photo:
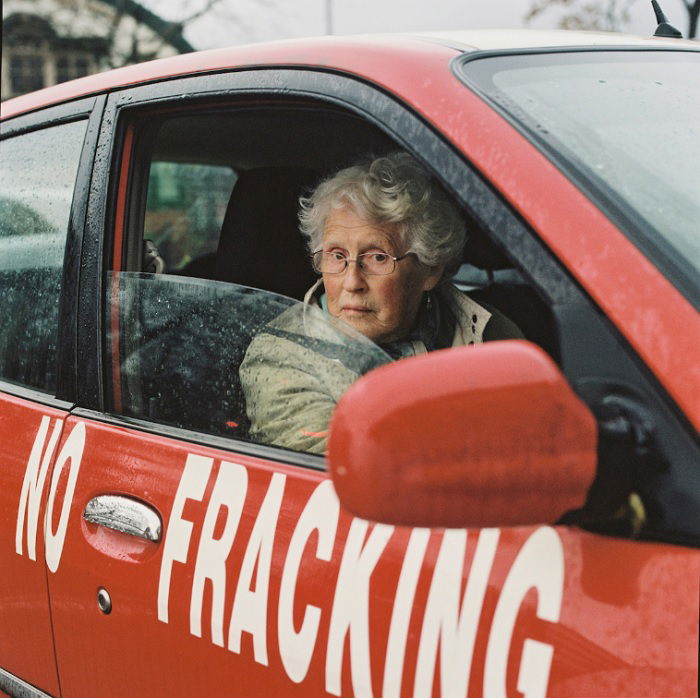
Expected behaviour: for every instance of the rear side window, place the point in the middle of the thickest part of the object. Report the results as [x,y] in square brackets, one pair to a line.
[185,210]
[37,178]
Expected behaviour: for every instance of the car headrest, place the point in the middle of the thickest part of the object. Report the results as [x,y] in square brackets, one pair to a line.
[260,243]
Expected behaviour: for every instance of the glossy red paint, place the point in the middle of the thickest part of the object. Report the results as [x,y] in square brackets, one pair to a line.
[506,421]
[602,605]
[94,557]
[26,644]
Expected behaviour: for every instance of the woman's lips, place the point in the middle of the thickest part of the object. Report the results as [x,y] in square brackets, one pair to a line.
[354,310]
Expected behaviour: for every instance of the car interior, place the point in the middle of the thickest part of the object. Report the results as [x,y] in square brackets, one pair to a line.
[271,154]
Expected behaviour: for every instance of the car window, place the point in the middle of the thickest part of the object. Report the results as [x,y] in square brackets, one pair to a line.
[175,346]
[185,208]
[206,311]
[628,123]
[37,178]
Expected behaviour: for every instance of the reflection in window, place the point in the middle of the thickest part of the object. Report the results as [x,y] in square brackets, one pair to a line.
[174,346]
[185,209]
[35,202]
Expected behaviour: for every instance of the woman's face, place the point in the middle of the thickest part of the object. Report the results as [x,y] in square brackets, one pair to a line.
[383,308]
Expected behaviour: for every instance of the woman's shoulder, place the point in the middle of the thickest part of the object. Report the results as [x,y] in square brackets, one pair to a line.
[496,324]
[500,326]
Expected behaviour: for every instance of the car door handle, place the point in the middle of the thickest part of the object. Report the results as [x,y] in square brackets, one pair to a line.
[125,515]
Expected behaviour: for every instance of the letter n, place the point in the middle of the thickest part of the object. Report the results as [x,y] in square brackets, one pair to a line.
[33,485]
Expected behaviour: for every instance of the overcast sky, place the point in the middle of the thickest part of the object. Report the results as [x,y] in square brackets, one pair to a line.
[243,21]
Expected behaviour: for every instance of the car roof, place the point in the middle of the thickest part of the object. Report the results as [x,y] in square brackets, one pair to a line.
[352,54]
[506,40]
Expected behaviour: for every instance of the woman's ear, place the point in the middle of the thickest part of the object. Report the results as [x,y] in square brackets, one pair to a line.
[432,277]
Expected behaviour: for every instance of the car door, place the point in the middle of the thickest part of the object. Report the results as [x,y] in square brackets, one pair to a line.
[44,159]
[198,562]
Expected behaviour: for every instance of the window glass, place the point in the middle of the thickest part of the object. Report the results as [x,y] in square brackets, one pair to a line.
[629,121]
[62,69]
[70,67]
[26,73]
[175,346]
[37,177]
[81,67]
[185,208]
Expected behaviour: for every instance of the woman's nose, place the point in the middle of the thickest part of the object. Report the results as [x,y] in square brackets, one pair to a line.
[353,278]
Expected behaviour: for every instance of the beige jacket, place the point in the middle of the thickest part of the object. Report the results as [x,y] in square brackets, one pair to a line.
[296,369]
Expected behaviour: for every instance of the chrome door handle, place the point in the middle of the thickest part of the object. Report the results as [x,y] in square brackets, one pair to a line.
[125,515]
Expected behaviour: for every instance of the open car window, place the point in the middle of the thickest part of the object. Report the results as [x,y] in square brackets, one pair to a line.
[203,305]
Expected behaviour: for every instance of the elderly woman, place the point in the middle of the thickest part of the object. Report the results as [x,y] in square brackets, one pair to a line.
[385,239]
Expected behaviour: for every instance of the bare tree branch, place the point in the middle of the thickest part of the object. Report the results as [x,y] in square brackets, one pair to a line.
[205,9]
[128,42]
[607,15]
[177,27]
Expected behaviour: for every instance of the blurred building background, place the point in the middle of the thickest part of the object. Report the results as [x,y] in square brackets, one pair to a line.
[45,42]
[50,41]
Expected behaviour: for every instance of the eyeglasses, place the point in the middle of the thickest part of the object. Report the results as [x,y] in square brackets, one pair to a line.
[370,263]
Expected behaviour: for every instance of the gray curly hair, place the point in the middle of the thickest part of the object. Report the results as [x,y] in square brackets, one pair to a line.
[391,190]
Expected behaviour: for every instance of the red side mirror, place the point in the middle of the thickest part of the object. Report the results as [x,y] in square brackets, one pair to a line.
[476,436]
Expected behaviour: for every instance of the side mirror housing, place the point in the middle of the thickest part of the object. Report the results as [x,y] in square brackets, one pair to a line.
[491,435]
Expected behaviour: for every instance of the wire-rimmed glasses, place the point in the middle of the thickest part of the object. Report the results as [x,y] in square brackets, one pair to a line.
[370,263]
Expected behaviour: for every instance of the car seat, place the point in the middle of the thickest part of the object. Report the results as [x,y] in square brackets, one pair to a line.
[260,244]
[259,247]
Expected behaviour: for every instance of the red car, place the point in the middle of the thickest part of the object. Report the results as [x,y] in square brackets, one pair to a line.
[520,518]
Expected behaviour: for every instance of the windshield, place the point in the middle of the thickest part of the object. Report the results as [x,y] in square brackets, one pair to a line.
[627,123]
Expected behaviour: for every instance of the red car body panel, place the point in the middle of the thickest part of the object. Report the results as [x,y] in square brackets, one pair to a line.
[602,605]
[623,282]
[24,606]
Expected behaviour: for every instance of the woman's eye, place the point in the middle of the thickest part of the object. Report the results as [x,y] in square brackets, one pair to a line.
[337,256]
[379,258]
